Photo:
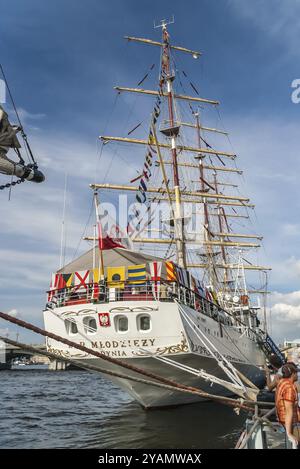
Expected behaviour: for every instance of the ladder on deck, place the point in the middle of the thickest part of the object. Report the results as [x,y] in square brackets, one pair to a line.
[270,348]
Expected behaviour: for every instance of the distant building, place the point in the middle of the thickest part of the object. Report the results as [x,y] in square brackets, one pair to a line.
[291,350]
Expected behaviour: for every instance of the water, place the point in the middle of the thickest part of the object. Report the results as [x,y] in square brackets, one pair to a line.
[77,409]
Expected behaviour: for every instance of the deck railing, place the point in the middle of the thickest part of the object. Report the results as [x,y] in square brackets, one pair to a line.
[151,291]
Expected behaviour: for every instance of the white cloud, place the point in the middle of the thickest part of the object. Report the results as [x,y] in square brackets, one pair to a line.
[291,229]
[30,227]
[285,315]
[13,312]
[279,19]
[286,312]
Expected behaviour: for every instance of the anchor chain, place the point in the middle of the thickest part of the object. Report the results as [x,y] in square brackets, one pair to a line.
[11,184]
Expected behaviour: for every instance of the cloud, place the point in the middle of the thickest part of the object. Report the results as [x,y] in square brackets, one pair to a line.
[291,229]
[271,169]
[279,21]
[13,312]
[284,315]
[31,221]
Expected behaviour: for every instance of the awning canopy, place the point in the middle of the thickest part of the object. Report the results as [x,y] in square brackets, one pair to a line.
[111,258]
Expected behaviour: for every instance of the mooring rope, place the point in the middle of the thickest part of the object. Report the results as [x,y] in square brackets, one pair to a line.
[98,369]
[175,386]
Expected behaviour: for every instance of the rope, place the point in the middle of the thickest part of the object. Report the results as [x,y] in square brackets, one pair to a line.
[246,437]
[98,369]
[226,366]
[225,400]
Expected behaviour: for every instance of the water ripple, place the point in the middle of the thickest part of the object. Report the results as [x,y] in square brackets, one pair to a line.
[46,409]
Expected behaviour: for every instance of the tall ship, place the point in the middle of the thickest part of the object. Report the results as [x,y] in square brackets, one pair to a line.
[165,285]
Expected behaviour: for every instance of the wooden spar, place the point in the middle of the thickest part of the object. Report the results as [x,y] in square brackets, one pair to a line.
[235,235]
[233,215]
[173,240]
[230,266]
[227,184]
[194,53]
[252,292]
[213,168]
[106,138]
[155,190]
[156,93]
[205,243]
[205,129]
[210,202]
[211,183]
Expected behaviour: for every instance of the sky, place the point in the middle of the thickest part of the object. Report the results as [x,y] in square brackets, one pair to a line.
[62,59]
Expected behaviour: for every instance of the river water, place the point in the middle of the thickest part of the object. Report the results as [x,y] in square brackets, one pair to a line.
[77,409]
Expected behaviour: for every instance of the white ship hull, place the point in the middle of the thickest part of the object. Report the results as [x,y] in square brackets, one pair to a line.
[167,337]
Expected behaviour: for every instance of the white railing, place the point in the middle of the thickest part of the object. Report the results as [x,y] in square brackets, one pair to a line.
[151,291]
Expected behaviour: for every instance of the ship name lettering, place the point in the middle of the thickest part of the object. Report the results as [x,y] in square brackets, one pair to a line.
[114,344]
[117,353]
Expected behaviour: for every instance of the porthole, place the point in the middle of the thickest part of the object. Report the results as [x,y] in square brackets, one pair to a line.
[144,322]
[89,325]
[121,323]
[71,327]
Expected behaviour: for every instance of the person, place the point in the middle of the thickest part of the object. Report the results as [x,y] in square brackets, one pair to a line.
[297,386]
[273,377]
[286,401]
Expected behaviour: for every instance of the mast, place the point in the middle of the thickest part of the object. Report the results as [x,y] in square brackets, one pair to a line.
[218,241]
[63,228]
[168,75]
[223,251]
[100,235]
[207,232]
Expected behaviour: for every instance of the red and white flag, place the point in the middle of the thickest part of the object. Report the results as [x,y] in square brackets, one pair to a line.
[155,272]
[81,280]
[112,236]
[57,282]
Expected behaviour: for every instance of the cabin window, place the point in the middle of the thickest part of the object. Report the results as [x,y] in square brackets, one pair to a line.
[71,326]
[121,323]
[90,325]
[144,322]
